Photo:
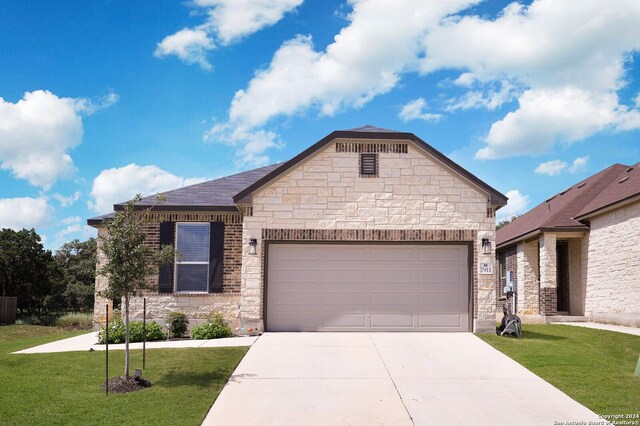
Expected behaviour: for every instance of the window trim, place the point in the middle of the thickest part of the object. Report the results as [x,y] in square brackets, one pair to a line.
[502,273]
[177,262]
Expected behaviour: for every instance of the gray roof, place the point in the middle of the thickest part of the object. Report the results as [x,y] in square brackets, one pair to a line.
[213,195]
[368,128]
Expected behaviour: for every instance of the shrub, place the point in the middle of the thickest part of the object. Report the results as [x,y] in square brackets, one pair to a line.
[178,323]
[117,332]
[46,320]
[77,320]
[216,328]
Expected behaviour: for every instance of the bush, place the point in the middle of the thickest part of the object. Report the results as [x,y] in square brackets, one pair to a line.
[46,320]
[178,323]
[117,332]
[77,320]
[216,328]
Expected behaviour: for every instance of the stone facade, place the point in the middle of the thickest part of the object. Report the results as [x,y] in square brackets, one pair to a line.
[613,264]
[413,192]
[548,264]
[528,278]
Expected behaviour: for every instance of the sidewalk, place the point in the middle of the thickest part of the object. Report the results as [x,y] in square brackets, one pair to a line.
[618,328]
[86,342]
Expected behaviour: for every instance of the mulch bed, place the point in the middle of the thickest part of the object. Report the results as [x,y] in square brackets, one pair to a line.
[121,384]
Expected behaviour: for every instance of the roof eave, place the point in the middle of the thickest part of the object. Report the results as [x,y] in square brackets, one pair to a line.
[179,208]
[537,231]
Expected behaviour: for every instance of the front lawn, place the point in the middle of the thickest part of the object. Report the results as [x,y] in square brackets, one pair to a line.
[64,388]
[594,367]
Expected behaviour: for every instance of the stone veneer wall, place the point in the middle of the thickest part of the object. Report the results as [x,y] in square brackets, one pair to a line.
[528,280]
[195,305]
[412,193]
[613,274]
[548,267]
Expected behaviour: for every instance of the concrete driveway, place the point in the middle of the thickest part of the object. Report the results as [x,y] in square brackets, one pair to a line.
[388,379]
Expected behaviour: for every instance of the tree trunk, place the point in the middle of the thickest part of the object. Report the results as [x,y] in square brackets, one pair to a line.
[126,337]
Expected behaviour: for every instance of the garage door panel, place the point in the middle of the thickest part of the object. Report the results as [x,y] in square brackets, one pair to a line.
[347,287]
[392,320]
[345,320]
[442,253]
[393,276]
[392,299]
[352,298]
[342,276]
[440,320]
[352,252]
[393,253]
[439,298]
[297,297]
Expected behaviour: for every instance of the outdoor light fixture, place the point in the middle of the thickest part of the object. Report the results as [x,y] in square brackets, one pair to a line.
[486,246]
[253,245]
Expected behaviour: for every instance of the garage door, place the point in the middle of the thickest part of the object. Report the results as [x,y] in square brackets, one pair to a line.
[353,287]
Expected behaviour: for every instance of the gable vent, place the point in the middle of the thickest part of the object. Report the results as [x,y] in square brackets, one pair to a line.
[368,165]
[393,148]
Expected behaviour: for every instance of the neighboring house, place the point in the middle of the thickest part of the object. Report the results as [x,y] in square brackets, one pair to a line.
[368,229]
[578,253]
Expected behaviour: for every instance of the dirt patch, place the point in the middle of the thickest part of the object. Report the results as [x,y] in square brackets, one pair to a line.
[121,384]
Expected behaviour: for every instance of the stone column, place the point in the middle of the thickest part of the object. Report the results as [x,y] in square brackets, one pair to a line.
[548,282]
[99,304]
[528,279]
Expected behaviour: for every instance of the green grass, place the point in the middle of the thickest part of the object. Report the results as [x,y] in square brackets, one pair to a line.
[594,367]
[65,388]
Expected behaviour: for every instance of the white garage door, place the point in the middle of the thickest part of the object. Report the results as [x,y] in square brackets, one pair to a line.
[353,287]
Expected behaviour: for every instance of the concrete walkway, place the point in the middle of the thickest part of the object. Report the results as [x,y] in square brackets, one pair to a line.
[389,379]
[85,342]
[609,327]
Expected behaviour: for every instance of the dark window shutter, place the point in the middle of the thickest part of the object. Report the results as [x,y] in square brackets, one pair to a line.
[216,257]
[165,275]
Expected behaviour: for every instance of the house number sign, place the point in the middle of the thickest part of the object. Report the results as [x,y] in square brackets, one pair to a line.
[485,268]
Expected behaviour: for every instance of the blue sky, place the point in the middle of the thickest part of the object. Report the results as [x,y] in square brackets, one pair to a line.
[105,99]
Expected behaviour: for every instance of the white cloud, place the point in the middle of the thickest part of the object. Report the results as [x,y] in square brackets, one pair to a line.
[120,184]
[414,110]
[522,44]
[546,116]
[227,22]
[66,201]
[25,212]
[516,205]
[551,168]
[190,46]
[579,164]
[348,73]
[232,20]
[555,167]
[73,226]
[38,131]
[490,99]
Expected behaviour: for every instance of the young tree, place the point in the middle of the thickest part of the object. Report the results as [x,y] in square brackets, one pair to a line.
[129,260]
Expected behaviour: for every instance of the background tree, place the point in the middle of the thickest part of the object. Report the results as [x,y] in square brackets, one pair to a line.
[29,272]
[505,222]
[77,260]
[129,260]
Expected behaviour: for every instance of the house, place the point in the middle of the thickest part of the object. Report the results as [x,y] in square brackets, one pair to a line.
[367,229]
[578,253]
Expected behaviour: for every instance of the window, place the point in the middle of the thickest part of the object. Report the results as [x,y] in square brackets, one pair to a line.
[192,261]
[368,165]
[502,261]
